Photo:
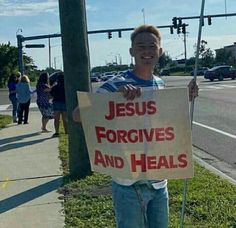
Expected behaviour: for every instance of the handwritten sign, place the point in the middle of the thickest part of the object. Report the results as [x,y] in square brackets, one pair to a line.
[147,138]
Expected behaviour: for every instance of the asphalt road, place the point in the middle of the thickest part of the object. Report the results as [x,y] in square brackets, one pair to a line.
[214,126]
[214,119]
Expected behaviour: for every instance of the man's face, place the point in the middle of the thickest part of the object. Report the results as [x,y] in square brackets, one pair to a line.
[146,50]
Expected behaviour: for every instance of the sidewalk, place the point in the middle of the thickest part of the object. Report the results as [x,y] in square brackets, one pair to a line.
[30,176]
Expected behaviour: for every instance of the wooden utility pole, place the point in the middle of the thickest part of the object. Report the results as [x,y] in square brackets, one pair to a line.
[76,68]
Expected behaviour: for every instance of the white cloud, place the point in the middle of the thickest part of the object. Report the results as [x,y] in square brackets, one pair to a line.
[27,8]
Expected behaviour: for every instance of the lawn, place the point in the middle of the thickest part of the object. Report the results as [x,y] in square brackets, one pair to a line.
[4,120]
[210,200]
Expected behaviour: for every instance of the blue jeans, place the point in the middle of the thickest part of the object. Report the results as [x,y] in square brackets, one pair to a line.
[140,206]
[14,102]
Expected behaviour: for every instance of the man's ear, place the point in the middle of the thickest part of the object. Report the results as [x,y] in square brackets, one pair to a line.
[131,52]
[161,51]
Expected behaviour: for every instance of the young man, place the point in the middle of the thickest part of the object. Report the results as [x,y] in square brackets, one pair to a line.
[144,203]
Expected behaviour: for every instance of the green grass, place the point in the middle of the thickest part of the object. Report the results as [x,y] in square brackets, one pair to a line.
[180,73]
[5,120]
[210,200]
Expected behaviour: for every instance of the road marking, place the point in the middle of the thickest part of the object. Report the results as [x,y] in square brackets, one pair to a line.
[216,87]
[215,129]
[5,183]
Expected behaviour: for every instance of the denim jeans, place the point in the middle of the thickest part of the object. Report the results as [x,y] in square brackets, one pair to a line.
[140,206]
[14,102]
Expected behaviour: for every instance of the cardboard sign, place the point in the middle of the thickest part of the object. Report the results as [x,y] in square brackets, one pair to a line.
[147,138]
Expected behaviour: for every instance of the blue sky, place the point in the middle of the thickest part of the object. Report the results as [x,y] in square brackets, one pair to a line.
[41,17]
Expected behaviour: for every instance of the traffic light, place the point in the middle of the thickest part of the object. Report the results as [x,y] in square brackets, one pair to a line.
[184,28]
[209,20]
[180,21]
[119,34]
[178,30]
[109,35]
[171,30]
[174,22]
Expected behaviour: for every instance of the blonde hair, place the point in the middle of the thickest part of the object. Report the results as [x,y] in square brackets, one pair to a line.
[25,78]
[145,28]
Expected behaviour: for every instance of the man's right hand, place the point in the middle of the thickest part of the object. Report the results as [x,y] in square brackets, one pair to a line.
[129,91]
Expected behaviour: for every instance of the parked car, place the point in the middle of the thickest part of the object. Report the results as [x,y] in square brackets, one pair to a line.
[220,72]
[108,75]
[200,71]
[95,77]
[164,72]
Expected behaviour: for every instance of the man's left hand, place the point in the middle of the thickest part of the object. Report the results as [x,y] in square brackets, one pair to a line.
[193,89]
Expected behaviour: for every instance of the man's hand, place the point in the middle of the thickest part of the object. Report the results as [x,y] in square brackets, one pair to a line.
[193,89]
[129,91]
[76,115]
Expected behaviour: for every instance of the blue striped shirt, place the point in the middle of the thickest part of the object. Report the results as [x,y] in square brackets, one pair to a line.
[113,84]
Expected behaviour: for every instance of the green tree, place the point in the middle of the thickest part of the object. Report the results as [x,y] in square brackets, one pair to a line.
[206,55]
[164,60]
[9,61]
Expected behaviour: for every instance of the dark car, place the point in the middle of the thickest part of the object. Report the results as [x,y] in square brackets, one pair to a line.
[164,72]
[220,72]
[54,76]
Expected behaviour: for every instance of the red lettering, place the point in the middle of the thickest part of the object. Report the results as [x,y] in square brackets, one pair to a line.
[120,109]
[111,135]
[130,111]
[182,158]
[148,135]
[98,159]
[108,160]
[134,135]
[160,134]
[162,163]
[122,136]
[169,131]
[132,132]
[135,162]
[119,162]
[151,106]
[140,111]
[172,164]
[151,162]
[100,133]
